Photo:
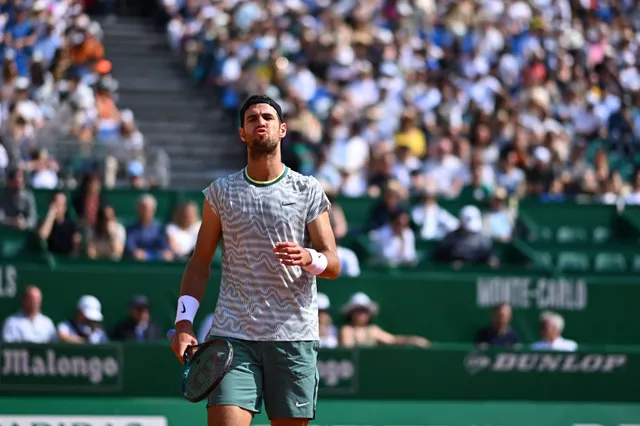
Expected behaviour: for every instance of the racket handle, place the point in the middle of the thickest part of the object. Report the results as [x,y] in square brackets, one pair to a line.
[171,333]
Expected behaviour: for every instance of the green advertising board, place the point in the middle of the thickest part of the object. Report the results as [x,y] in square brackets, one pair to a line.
[174,412]
[442,306]
[449,373]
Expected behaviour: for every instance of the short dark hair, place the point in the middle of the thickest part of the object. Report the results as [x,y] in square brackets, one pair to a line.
[259,99]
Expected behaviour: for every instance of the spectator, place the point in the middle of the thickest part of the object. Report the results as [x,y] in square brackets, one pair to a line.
[499,333]
[88,200]
[467,244]
[328,331]
[393,199]
[29,325]
[85,49]
[633,197]
[17,204]
[146,240]
[360,332]
[135,170]
[540,175]
[86,325]
[433,221]
[478,189]
[509,175]
[44,170]
[58,229]
[499,220]
[106,239]
[183,231]
[395,243]
[446,170]
[551,328]
[138,325]
[349,263]
[409,135]
[108,120]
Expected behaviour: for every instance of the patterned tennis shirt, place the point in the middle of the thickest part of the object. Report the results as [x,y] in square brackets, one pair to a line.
[261,299]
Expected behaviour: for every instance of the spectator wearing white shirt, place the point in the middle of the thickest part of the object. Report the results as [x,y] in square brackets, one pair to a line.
[434,221]
[551,327]
[446,170]
[183,231]
[499,221]
[395,242]
[327,330]
[350,156]
[29,325]
[634,196]
[86,326]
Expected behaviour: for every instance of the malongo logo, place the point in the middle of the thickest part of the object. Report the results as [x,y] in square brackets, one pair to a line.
[63,367]
[544,362]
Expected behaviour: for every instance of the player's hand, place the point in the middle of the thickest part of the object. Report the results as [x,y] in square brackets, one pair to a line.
[183,338]
[292,254]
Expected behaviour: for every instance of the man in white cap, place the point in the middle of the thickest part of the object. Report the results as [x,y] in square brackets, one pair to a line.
[467,244]
[86,327]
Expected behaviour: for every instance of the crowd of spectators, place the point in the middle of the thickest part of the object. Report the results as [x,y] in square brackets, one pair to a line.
[85,324]
[540,98]
[59,112]
[488,100]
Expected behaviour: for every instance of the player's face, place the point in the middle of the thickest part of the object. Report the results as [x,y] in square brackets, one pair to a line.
[262,131]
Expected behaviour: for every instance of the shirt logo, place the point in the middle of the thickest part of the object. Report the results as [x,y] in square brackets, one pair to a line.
[288,203]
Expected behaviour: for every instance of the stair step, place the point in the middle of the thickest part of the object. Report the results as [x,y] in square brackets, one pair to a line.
[142,83]
[176,117]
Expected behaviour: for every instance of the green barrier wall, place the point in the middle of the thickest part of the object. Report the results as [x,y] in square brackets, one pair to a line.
[454,373]
[446,307]
[173,412]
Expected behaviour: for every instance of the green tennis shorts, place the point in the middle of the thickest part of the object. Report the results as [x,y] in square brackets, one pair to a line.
[284,374]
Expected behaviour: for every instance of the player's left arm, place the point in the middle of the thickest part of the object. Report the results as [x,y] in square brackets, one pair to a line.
[321,260]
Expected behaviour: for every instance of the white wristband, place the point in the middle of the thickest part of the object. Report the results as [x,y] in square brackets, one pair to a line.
[319,262]
[187,308]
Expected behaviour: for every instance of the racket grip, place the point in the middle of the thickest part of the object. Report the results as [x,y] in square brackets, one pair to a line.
[171,333]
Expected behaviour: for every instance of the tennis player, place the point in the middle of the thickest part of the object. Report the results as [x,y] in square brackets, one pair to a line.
[276,239]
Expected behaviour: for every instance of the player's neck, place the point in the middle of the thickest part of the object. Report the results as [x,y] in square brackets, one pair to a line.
[265,169]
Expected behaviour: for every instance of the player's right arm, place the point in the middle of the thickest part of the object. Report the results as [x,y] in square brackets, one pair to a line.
[195,278]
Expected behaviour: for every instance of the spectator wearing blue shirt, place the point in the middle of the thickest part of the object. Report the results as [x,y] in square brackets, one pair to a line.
[146,240]
[499,333]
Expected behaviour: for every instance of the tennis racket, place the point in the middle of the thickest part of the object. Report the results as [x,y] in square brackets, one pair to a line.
[205,365]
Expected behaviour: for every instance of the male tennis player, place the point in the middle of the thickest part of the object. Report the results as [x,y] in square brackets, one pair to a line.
[276,239]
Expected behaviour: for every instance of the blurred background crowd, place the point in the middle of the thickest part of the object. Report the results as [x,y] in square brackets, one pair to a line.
[538,97]
[414,104]
[409,102]
[58,97]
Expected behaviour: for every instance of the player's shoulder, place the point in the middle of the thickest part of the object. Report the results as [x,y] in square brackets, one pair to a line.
[303,182]
[227,181]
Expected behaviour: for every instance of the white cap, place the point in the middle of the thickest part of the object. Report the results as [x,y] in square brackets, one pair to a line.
[542,154]
[471,218]
[323,302]
[91,308]
[360,300]
[126,115]
[22,83]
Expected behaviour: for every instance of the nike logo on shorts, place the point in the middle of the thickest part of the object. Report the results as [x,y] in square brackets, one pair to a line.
[298,405]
